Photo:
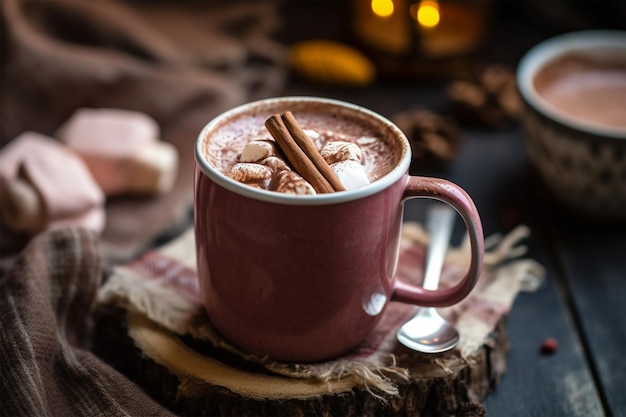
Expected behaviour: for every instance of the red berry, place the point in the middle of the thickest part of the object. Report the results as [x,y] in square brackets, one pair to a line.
[549,346]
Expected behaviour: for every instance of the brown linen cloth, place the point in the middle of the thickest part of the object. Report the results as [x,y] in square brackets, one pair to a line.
[46,301]
[181,63]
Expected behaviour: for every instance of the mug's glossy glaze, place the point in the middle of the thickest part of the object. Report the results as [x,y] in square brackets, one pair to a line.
[307,279]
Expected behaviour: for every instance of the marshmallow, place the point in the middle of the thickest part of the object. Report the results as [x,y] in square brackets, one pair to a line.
[367,141]
[275,164]
[95,130]
[46,185]
[249,172]
[257,150]
[351,174]
[152,170]
[338,151]
[312,134]
[289,182]
[344,159]
[122,150]
[315,137]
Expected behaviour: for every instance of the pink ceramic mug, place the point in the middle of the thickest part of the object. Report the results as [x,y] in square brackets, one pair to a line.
[307,278]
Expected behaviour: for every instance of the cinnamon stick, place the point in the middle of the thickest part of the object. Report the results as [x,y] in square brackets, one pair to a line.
[305,143]
[296,156]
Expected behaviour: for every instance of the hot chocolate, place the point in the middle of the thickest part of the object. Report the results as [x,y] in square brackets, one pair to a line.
[588,89]
[358,150]
[294,277]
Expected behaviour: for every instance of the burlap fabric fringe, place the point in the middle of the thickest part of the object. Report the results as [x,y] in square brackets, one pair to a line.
[162,286]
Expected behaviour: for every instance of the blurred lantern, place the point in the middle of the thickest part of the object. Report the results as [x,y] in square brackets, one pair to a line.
[423,37]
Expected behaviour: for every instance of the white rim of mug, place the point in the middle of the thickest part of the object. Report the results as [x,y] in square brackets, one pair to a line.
[291,199]
[550,50]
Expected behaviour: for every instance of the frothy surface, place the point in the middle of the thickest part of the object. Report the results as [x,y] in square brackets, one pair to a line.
[381,152]
[586,89]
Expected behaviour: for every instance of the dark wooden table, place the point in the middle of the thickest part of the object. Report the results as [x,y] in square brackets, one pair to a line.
[582,303]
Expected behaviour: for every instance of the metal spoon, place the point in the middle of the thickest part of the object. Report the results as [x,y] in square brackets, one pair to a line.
[427,331]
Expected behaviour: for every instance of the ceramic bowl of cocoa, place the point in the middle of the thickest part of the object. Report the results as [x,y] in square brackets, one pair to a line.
[574,91]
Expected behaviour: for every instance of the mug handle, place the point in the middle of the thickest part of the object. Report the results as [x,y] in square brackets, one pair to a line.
[455,196]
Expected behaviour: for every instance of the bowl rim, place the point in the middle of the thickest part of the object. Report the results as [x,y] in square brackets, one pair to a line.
[553,48]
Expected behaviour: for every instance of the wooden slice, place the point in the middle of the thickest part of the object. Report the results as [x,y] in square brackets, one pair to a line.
[193,379]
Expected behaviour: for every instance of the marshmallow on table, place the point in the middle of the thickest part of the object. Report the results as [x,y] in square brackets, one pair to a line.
[45,185]
[122,149]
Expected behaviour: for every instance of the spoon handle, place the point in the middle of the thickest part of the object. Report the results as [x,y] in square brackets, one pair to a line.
[439,223]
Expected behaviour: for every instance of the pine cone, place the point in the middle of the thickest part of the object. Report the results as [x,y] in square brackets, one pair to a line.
[434,139]
[487,97]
